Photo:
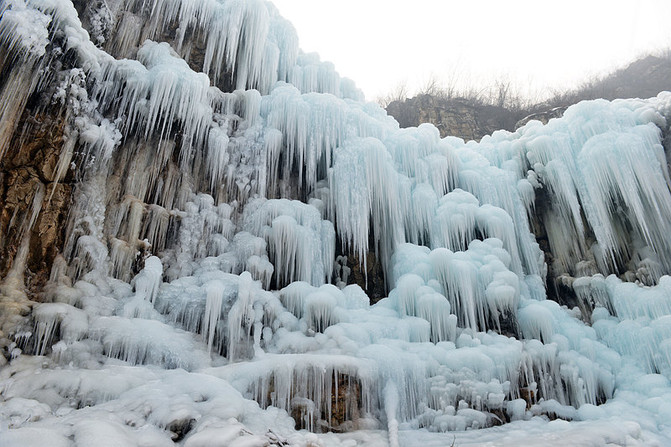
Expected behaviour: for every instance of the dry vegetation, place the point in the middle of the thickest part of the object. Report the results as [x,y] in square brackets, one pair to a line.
[643,78]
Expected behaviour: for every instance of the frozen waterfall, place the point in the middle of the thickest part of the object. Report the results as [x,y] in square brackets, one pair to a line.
[227,190]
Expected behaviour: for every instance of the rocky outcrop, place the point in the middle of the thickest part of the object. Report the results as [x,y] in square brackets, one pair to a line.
[340,410]
[457,117]
[370,277]
[35,196]
[472,119]
[543,117]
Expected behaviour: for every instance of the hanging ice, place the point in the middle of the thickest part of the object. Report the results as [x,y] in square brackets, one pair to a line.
[223,180]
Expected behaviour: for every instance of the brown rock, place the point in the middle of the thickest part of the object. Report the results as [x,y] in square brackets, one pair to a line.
[28,168]
[49,229]
[38,143]
[369,277]
[19,188]
[453,116]
[345,403]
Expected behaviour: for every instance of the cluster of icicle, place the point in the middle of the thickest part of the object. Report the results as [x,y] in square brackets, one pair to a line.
[233,200]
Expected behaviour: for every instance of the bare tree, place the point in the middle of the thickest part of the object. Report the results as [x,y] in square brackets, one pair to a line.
[432,87]
[501,92]
[399,93]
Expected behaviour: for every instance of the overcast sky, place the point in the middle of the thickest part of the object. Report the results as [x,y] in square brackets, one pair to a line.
[536,43]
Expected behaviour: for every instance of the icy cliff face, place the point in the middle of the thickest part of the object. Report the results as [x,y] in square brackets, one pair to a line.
[221,185]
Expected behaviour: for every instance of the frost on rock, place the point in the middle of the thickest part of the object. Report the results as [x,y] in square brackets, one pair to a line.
[223,182]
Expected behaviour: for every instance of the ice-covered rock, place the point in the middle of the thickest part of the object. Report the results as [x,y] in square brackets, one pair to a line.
[222,182]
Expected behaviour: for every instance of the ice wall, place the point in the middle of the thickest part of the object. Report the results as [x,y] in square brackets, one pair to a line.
[225,187]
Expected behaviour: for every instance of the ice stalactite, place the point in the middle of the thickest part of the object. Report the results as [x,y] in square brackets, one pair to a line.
[245,320]
[148,281]
[143,341]
[70,323]
[499,188]
[419,153]
[301,244]
[23,42]
[484,296]
[590,187]
[214,163]
[312,127]
[303,386]
[629,318]
[476,283]
[245,44]
[200,304]
[212,315]
[158,88]
[365,197]
[416,298]
[85,248]
[390,408]
[19,265]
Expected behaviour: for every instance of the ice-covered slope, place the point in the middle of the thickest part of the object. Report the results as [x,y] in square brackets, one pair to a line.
[224,183]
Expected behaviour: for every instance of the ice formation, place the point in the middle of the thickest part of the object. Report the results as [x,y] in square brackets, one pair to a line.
[228,190]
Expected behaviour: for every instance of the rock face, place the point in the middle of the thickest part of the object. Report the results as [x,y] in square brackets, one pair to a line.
[369,277]
[35,197]
[453,117]
[543,117]
[340,414]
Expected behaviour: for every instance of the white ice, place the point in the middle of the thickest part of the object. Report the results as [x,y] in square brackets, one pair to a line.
[226,180]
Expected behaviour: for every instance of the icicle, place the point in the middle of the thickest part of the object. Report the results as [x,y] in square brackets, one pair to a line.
[122,256]
[320,309]
[569,159]
[293,297]
[454,223]
[241,317]
[158,221]
[13,98]
[217,156]
[213,307]
[305,385]
[390,409]
[23,42]
[190,182]
[364,186]
[51,318]
[140,341]
[302,245]
[536,321]
[148,281]
[312,126]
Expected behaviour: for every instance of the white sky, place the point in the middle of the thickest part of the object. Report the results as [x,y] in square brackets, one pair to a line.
[535,43]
